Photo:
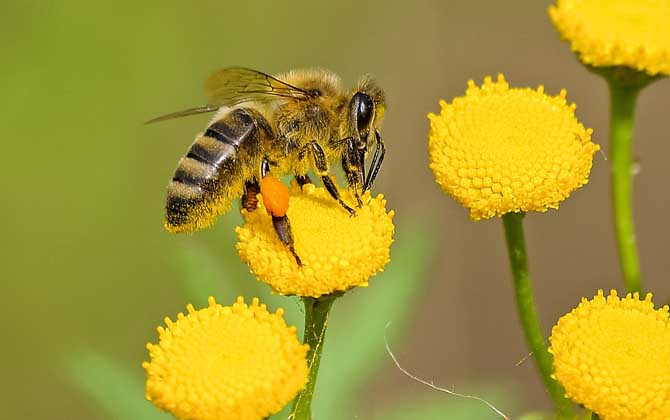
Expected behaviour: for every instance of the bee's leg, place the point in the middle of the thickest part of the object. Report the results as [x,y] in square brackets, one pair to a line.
[249,198]
[361,158]
[377,159]
[322,169]
[281,224]
[283,229]
[353,167]
[265,167]
[353,178]
[302,180]
[252,189]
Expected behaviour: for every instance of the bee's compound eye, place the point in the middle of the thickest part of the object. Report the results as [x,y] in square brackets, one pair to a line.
[364,111]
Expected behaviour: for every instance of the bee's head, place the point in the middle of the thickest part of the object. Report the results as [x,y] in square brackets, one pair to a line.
[366,110]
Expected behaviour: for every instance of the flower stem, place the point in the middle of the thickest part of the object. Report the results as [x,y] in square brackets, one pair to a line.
[516,247]
[317,311]
[622,109]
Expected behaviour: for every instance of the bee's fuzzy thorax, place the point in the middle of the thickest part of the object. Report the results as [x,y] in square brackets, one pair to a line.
[326,81]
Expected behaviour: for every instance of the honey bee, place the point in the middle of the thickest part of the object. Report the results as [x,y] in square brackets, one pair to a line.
[284,124]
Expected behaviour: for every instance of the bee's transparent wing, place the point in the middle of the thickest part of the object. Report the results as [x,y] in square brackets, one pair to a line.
[191,111]
[235,85]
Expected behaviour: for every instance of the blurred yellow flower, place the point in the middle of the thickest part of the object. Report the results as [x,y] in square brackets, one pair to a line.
[236,362]
[612,355]
[631,33]
[498,150]
[338,251]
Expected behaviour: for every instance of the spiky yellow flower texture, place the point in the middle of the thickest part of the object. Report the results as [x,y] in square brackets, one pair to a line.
[631,33]
[236,362]
[612,355]
[499,149]
[338,251]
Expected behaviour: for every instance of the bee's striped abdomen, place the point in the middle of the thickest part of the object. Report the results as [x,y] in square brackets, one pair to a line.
[212,173]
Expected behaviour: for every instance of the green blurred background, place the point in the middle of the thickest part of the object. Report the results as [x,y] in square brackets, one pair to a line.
[88,272]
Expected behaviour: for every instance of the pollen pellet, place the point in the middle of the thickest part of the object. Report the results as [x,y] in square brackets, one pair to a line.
[275,196]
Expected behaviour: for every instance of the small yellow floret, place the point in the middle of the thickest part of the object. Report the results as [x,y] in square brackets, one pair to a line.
[236,362]
[498,150]
[612,355]
[338,251]
[631,33]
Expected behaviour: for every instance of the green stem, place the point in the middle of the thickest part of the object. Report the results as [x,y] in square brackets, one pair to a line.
[516,247]
[317,311]
[622,109]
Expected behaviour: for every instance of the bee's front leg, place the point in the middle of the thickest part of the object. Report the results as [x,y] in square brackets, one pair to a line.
[377,159]
[353,166]
[322,170]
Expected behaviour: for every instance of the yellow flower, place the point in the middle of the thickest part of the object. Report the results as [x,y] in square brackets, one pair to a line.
[631,33]
[498,150]
[338,251]
[612,355]
[236,362]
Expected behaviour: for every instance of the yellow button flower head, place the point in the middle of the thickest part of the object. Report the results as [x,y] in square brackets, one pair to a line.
[631,33]
[498,150]
[338,251]
[612,355]
[237,362]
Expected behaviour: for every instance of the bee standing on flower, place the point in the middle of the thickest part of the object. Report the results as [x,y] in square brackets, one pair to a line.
[287,124]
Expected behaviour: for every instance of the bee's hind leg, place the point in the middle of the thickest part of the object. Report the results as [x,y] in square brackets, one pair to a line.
[280,221]
[250,196]
[252,188]
[322,169]
[283,229]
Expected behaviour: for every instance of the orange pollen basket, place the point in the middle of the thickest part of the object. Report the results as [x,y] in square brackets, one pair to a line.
[275,196]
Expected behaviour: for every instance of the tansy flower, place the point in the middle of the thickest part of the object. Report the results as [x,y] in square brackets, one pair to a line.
[338,251]
[612,355]
[631,33]
[499,149]
[236,362]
